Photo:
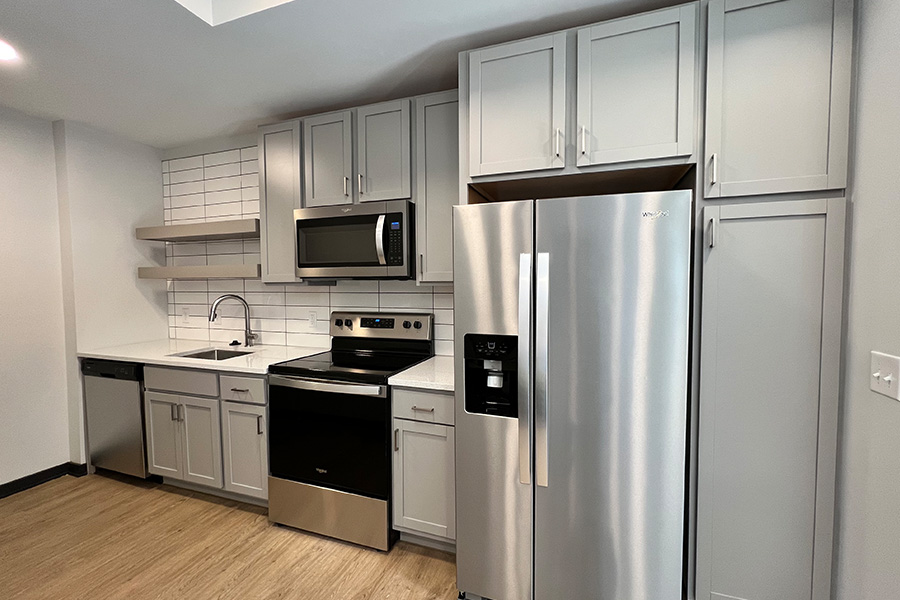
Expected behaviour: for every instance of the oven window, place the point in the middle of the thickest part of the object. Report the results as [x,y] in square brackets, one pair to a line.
[340,241]
[338,441]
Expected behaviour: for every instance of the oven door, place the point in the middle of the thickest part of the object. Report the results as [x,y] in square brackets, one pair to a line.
[359,241]
[331,434]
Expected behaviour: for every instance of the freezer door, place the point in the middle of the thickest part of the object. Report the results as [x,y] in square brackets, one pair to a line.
[611,338]
[494,508]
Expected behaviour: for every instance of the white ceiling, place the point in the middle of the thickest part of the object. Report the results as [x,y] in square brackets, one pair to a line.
[152,71]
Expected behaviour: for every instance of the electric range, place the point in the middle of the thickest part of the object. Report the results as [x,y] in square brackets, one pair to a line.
[330,427]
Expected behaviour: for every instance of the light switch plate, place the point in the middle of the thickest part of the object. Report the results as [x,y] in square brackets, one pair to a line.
[884,375]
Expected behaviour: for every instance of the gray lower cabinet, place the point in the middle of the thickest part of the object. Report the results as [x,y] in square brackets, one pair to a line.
[184,438]
[383,151]
[279,195]
[768,415]
[327,159]
[164,439]
[244,449]
[635,87]
[424,494]
[778,96]
[517,106]
[437,183]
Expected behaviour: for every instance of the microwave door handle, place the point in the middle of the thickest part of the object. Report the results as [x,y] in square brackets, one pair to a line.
[379,240]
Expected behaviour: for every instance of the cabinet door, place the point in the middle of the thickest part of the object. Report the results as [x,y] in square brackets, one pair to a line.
[244,449]
[279,195]
[778,96]
[636,87]
[771,330]
[327,159]
[424,478]
[437,183]
[383,151]
[517,106]
[163,435]
[201,439]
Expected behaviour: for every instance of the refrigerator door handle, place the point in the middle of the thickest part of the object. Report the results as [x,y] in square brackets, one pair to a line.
[542,458]
[524,369]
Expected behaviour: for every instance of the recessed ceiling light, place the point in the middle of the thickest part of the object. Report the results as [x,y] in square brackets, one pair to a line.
[7,52]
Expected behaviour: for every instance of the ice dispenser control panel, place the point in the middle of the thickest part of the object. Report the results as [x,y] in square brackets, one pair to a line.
[491,374]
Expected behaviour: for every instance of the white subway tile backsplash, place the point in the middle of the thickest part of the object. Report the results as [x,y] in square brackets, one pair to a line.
[226,170]
[191,187]
[225,186]
[222,197]
[220,158]
[225,183]
[185,176]
[183,164]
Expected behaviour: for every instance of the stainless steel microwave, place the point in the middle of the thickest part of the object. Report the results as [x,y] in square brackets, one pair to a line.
[373,240]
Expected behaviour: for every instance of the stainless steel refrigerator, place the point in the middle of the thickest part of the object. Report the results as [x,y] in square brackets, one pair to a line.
[571,345]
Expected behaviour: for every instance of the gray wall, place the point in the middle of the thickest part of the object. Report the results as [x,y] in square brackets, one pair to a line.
[869,481]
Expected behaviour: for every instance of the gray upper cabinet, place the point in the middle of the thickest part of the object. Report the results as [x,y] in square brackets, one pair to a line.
[328,167]
[383,151]
[437,183]
[279,195]
[517,106]
[778,96]
[769,382]
[636,82]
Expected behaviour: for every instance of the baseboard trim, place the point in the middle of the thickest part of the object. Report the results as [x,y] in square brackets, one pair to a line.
[36,479]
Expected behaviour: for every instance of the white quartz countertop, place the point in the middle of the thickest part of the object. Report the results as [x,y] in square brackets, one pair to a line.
[159,353]
[434,374]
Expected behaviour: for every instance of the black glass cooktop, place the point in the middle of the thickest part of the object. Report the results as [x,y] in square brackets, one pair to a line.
[358,366]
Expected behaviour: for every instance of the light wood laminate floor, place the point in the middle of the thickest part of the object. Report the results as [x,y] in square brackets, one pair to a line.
[99,537]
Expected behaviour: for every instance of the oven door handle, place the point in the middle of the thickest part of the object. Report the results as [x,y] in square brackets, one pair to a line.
[379,240]
[354,389]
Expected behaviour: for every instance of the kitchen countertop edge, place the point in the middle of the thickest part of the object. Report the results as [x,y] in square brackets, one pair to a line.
[435,374]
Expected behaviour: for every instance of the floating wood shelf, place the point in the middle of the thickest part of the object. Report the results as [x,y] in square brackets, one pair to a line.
[200,272]
[201,232]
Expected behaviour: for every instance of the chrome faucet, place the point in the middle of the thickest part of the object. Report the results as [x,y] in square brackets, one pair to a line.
[249,336]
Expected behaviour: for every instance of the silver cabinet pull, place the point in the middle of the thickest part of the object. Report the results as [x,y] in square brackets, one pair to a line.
[174,411]
[258,424]
[396,440]
[420,409]
[181,412]
[346,185]
[714,171]
[422,264]
[557,142]
[712,232]
[240,390]
[360,177]
[524,374]
[583,139]
[379,240]
[541,351]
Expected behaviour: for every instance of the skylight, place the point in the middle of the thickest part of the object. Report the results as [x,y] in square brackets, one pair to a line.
[216,12]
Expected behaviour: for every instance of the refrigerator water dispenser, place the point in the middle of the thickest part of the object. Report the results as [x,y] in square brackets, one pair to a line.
[490,374]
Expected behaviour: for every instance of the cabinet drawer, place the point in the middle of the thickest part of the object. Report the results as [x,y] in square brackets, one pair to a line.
[183,381]
[421,405]
[248,390]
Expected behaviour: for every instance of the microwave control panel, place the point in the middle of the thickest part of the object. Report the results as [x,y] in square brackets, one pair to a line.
[395,240]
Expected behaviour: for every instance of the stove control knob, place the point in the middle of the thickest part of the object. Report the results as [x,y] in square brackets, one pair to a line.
[406,324]
[339,322]
[348,323]
[418,324]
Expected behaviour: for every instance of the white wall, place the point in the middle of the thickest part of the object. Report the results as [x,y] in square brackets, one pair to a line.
[868,553]
[107,187]
[33,420]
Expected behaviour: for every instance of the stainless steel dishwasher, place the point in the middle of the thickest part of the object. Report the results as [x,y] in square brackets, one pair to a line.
[113,397]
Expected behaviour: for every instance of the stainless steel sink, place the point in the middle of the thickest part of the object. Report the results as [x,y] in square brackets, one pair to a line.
[212,354]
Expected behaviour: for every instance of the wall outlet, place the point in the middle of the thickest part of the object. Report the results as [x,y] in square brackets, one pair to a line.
[185,315]
[884,375]
[312,318]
